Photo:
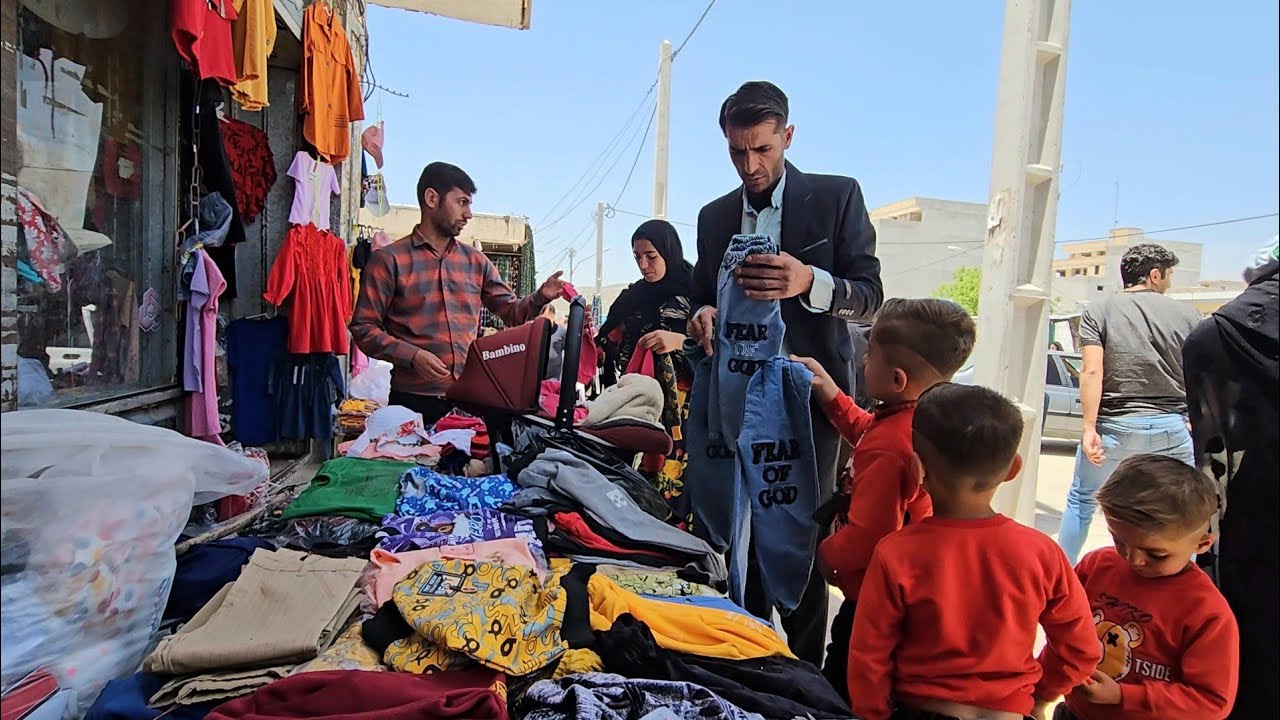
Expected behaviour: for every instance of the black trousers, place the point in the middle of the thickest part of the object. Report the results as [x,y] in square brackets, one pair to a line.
[431,408]
[836,667]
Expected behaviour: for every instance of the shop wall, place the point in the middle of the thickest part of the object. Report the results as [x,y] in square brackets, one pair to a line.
[8,218]
[144,246]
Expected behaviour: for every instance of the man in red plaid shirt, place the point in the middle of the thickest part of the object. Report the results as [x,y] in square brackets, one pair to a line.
[420,297]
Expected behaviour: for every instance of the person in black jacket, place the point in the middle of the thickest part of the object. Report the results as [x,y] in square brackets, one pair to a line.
[825,275]
[1231,363]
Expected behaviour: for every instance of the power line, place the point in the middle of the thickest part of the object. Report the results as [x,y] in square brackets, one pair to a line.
[639,150]
[645,215]
[590,171]
[605,176]
[952,256]
[694,30]
[1175,229]
[581,231]
[592,168]
[1104,237]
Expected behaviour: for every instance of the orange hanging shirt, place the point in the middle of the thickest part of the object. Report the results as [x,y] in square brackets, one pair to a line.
[331,98]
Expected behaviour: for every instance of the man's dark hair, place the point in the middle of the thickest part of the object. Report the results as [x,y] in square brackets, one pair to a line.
[443,177]
[966,432]
[1138,262]
[938,332]
[754,103]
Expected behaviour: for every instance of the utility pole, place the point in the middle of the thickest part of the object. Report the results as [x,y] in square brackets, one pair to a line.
[662,140]
[572,264]
[1013,320]
[599,256]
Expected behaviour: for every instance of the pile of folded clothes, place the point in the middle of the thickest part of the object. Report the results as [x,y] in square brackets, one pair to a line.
[283,610]
[560,591]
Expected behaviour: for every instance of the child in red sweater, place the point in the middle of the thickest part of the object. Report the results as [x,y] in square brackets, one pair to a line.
[914,345]
[1170,646]
[947,616]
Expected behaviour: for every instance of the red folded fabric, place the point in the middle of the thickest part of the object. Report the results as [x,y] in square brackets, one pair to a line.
[575,527]
[642,363]
[549,401]
[30,693]
[363,695]
[479,443]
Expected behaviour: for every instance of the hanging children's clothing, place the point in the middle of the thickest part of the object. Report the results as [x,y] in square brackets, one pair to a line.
[311,270]
[202,36]
[254,348]
[316,182]
[306,388]
[253,37]
[329,84]
[200,375]
[253,167]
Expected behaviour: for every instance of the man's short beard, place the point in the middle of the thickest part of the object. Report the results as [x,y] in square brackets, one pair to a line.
[444,228]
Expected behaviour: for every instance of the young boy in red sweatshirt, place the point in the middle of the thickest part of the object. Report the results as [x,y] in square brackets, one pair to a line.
[947,616]
[914,345]
[1170,646]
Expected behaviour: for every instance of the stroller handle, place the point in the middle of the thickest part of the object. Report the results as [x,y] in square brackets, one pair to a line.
[569,368]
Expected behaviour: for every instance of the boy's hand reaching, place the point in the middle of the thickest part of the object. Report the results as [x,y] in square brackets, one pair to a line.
[1100,690]
[824,388]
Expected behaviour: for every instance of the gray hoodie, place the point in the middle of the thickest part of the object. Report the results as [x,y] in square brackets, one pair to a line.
[561,473]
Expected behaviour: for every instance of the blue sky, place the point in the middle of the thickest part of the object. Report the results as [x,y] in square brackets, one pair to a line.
[1180,106]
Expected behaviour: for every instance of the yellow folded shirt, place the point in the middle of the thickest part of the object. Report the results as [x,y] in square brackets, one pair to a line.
[687,629]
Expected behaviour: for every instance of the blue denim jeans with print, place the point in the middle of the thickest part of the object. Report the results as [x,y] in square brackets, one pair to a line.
[1122,437]
[779,473]
[748,332]
[710,470]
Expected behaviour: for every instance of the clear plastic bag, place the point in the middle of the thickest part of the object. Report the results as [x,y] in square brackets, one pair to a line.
[372,384]
[92,505]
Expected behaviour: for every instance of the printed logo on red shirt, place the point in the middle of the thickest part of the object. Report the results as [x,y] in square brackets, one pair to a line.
[1118,642]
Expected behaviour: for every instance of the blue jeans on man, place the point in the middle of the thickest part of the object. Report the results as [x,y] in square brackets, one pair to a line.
[1122,437]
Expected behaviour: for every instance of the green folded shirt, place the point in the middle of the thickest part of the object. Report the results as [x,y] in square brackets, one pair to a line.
[351,487]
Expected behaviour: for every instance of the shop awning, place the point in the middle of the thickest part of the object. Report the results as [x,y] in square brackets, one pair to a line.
[503,13]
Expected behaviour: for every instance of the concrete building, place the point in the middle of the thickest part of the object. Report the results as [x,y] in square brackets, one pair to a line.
[506,239]
[921,242]
[1090,270]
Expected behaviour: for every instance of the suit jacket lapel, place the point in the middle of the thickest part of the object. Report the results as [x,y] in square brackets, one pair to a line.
[794,215]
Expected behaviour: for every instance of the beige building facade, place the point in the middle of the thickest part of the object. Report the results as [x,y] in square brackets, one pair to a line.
[921,242]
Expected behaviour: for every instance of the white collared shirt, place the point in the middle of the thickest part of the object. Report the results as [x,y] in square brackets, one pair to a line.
[769,222]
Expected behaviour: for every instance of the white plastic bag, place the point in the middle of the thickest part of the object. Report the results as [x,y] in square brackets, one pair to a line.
[92,505]
[373,384]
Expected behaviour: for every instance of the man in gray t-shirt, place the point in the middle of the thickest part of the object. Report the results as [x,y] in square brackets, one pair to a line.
[1131,388]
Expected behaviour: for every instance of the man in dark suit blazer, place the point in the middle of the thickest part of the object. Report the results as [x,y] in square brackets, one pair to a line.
[825,275]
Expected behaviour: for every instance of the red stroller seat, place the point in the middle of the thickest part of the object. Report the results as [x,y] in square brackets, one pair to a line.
[503,375]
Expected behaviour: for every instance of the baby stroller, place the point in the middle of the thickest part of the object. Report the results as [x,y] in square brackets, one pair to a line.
[501,383]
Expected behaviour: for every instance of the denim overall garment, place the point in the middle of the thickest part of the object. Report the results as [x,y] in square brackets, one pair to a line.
[778,477]
[748,332]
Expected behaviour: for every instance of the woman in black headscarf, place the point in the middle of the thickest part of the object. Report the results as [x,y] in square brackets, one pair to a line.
[653,311]
[651,314]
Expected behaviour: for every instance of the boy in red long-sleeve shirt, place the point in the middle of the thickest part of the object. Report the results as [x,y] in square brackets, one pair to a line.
[947,616]
[1170,646]
[914,345]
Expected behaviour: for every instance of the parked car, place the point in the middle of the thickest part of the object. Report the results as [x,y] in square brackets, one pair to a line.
[1063,417]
